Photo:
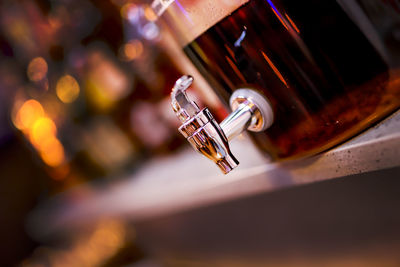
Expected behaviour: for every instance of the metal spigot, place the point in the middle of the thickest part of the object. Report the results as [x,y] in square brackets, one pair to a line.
[250,111]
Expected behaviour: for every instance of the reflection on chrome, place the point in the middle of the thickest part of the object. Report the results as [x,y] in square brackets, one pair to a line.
[250,111]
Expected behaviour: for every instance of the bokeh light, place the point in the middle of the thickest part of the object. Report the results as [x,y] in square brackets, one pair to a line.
[27,115]
[52,152]
[67,89]
[37,69]
[42,130]
[107,82]
[129,10]
[133,50]
[150,14]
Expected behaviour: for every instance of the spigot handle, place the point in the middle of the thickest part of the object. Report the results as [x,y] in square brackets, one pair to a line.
[183,107]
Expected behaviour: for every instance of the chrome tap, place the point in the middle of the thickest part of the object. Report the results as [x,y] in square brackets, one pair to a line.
[250,111]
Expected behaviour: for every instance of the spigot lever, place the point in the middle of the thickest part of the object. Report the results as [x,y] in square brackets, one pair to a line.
[183,107]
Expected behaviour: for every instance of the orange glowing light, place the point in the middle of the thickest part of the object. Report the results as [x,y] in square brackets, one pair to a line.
[275,69]
[292,23]
[16,119]
[279,16]
[109,234]
[37,69]
[67,89]
[42,130]
[230,51]
[52,152]
[150,14]
[27,115]
[133,49]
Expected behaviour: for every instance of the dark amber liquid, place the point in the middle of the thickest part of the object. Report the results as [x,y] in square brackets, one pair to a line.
[323,77]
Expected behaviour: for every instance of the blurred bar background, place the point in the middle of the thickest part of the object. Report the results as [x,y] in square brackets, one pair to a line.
[84,103]
[84,88]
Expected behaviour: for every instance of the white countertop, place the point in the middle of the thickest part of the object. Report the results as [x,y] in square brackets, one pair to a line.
[186,180]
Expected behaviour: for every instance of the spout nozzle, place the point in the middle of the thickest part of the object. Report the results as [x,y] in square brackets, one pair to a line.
[227,164]
[207,138]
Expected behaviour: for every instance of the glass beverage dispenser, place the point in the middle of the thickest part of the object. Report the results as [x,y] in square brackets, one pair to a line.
[302,76]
